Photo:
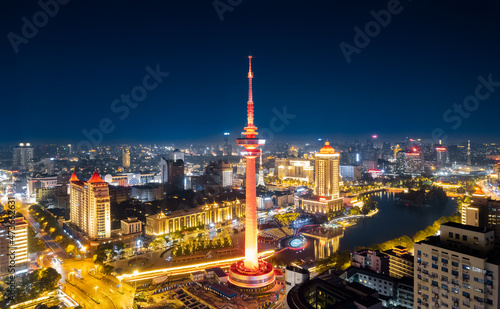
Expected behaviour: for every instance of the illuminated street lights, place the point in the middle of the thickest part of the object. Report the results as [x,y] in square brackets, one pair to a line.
[95,289]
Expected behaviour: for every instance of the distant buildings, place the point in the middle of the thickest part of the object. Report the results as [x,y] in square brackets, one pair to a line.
[295,168]
[90,206]
[40,182]
[410,162]
[23,157]
[148,192]
[457,269]
[219,173]
[178,155]
[350,172]
[126,157]
[227,149]
[442,156]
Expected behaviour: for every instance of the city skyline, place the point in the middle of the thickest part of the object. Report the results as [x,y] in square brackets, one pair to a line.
[250,154]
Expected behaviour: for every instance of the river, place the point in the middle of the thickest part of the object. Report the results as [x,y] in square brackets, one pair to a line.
[390,222]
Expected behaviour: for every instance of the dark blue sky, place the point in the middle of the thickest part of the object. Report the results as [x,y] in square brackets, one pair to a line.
[425,60]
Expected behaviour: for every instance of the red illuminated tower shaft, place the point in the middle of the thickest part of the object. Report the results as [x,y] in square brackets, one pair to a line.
[251,260]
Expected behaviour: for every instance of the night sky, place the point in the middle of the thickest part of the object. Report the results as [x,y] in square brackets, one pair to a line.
[425,60]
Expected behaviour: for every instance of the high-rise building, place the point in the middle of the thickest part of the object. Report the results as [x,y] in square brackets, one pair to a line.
[23,157]
[483,212]
[126,157]
[227,150]
[90,206]
[442,155]
[178,155]
[13,238]
[219,173]
[172,174]
[457,269]
[251,275]
[326,168]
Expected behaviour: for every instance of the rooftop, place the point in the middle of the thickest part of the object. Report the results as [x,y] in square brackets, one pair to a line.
[468,227]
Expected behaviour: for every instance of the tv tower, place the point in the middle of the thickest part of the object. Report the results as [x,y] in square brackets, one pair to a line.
[251,275]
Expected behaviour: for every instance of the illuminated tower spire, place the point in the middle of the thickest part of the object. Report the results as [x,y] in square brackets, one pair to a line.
[250,129]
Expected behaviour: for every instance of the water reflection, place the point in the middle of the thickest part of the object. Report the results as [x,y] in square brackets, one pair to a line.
[325,241]
[390,222]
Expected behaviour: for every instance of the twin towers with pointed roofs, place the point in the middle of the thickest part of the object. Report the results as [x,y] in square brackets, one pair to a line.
[90,207]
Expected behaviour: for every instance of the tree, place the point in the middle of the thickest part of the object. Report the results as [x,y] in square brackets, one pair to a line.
[34,244]
[70,249]
[355,211]
[100,257]
[107,269]
[44,306]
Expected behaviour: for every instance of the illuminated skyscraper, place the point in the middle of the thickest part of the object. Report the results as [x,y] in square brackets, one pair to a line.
[90,206]
[13,238]
[327,172]
[23,157]
[251,274]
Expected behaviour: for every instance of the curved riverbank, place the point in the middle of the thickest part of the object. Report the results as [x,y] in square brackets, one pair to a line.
[392,221]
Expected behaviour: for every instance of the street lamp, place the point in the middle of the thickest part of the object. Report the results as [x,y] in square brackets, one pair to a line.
[69,275]
[95,288]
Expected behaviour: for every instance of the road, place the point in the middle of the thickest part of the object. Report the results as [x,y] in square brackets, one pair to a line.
[107,293]
[489,190]
[49,242]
